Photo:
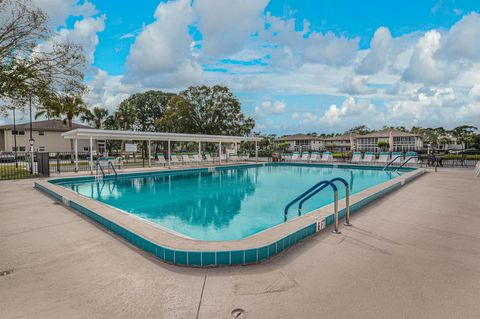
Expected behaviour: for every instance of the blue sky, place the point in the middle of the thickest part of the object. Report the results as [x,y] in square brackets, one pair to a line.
[296,66]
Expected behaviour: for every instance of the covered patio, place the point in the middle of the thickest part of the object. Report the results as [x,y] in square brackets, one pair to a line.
[149,137]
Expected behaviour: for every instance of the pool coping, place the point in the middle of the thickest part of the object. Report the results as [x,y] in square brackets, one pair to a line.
[179,250]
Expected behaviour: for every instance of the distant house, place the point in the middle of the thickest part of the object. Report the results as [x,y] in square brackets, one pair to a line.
[341,143]
[47,135]
[397,141]
[301,142]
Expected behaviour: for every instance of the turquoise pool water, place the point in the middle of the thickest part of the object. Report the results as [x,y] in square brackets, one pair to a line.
[225,204]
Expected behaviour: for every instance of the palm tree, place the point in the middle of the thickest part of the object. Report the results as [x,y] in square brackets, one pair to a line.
[63,107]
[95,117]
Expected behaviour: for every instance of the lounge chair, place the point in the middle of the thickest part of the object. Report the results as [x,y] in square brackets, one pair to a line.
[208,157]
[476,171]
[305,156]
[356,157]
[327,157]
[397,157]
[187,159]
[233,157]
[295,156]
[197,158]
[384,158]
[246,157]
[411,157]
[315,157]
[161,159]
[175,160]
[368,157]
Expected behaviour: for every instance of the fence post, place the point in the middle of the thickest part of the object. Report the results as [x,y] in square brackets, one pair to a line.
[58,162]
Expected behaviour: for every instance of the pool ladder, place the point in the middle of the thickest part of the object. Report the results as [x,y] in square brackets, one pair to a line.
[101,170]
[316,189]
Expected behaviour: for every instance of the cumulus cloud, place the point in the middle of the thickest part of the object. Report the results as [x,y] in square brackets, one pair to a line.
[60,10]
[267,107]
[376,59]
[215,18]
[349,109]
[355,85]
[461,41]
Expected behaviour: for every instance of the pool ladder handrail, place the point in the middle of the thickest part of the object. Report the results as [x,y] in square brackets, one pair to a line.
[110,164]
[99,166]
[317,188]
[405,162]
[391,162]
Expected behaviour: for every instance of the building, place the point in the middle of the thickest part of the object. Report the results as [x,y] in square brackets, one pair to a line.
[398,141]
[341,143]
[46,134]
[301,142]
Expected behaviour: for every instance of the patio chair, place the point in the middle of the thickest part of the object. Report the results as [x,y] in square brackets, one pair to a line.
[187,159]
[411,157]
[197,158]
[327,157]
[384,158]
[305,156]
[397,157]
[295,156]
[356,157]
[368,157]
[314,157]
[175,160]
[161,159]
[233,157]
[208,157]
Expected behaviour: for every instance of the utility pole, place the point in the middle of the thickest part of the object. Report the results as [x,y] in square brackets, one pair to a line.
[31,141]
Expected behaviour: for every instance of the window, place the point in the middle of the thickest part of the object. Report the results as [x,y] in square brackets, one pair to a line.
[19,149]
[86,148]
[17,132]
[41,133]
[41,148]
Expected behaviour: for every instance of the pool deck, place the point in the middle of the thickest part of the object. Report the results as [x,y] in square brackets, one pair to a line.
[414,253]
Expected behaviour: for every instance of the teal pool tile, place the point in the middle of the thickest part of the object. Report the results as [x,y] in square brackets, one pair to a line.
[160,252]
[279,245]
[262,253]
[236,257]
[272,249]
[169,255]
[286,242]
[181,257]
[223,258]
[208,258]
[194,258]
[250,256]
[150,247]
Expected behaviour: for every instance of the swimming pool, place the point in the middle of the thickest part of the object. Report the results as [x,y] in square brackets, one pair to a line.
[226,203]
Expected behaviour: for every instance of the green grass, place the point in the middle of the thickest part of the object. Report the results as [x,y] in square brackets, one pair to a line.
[12,172]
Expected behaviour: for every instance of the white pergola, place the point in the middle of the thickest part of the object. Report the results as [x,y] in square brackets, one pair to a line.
[94,134]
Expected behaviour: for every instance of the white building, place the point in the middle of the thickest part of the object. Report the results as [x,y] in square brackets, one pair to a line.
[47,135]
[301,142]
[398,141]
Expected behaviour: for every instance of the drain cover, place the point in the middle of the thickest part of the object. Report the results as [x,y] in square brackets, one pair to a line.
[238,313]
[6,272]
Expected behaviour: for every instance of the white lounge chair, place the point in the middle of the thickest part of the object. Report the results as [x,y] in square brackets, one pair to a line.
[397,157]
[356,157]
[327,157]
[187,159]
[476,171]
[314,157]
[197,158]
[295,156]
[161,159]
[305,156]
[233,157]
[411,157]
[175,160]
[246,157]
[368,157]
[384,158]
[208,158]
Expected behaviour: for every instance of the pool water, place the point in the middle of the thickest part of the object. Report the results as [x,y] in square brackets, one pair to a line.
[228,203]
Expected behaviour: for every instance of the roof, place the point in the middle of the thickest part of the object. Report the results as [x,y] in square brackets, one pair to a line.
[386,133]
[297,137]
[153,136]
[343,137]
[46,125]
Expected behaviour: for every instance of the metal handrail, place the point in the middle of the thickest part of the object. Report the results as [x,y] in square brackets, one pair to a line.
[347,199]
[113,168]
[406,161]
[285,211]
[392,161]
[101,169]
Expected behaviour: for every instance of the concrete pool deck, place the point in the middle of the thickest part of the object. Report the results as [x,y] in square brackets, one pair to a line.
[414,253]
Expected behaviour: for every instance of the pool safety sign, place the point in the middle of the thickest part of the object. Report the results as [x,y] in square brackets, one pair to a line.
[321,225]
[130,147]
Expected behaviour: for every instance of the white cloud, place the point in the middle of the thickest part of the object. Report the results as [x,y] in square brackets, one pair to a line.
[60,10]
[270,108]
[462,39]
[376,58]
[349,110]
[355,85]
[215,21]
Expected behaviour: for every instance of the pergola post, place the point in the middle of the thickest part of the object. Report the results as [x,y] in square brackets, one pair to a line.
[199,148]
[76,155]
[91,155]
[149,154]
[219,152]
[256,151]
[168,154]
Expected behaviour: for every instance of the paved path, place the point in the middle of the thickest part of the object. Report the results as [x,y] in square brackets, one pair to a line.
[412,254]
